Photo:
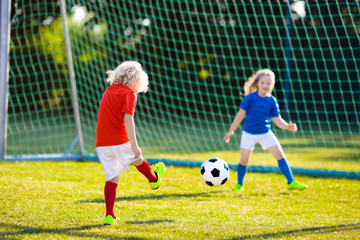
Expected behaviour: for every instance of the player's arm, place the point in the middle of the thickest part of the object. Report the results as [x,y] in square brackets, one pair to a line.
[235,124]
[281,123]
[130,129]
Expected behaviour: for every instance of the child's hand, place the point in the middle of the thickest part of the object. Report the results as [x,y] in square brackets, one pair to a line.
[227,137]
[137,151]
[292,127]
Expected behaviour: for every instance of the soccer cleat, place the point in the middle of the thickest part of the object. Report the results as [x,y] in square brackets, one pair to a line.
[159,169]
[296,185]
[109,220]
[239,187]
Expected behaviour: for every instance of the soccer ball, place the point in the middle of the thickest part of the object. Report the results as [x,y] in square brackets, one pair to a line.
[214,172]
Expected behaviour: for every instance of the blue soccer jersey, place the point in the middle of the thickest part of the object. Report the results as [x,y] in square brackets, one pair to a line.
[259,111]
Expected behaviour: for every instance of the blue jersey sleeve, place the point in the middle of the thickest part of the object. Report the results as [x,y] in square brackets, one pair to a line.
[275,112]
[245,104]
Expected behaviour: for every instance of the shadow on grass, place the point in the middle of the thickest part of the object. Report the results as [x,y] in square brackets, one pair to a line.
[301,232]
[151,221]
[150,197]
[22,231]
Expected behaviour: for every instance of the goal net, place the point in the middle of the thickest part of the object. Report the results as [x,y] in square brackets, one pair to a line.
[198,54]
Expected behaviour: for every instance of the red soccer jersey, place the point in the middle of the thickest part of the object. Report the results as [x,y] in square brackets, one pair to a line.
[116,101]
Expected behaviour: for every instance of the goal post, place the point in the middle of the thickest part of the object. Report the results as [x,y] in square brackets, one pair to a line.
[70,65]
[43,117]
[4,63]
[198,54]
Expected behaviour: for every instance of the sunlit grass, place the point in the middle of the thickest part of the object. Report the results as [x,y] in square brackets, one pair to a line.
[64,200]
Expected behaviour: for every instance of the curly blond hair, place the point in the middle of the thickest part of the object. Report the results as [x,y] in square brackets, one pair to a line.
[251,84]
[129,73]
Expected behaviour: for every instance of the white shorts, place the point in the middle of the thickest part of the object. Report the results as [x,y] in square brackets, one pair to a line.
[115,159]
[266,140]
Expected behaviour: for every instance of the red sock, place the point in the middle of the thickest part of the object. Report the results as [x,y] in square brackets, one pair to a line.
[110,195]
[146,170]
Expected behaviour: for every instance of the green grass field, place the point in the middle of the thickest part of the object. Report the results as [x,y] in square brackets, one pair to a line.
[64,200]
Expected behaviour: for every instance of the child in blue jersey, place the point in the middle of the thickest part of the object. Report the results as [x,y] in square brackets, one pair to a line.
[258,108]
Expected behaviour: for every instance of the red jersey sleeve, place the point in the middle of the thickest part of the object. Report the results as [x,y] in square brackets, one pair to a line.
[129,104]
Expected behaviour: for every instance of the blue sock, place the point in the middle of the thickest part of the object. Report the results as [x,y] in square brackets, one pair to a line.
[285,169]
[241,171]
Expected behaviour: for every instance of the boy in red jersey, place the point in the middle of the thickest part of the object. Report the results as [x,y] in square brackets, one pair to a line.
[116,143]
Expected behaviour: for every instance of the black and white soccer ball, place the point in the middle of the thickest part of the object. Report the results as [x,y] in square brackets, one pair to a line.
[215,172]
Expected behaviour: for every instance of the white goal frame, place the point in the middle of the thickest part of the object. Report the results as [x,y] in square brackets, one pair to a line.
[5,10]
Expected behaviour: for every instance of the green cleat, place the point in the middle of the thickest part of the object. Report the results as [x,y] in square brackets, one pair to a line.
[159,169]
[296,185]
[109,220]
[239,187]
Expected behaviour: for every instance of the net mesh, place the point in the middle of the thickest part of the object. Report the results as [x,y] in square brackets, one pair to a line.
[198,54]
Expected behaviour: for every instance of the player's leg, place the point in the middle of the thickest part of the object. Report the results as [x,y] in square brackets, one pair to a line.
[153,175]
[242,168]
[247,144]
[112,169]
[110,196]
[276,150]
[270,142]
[285,168]
[283,164]
[143,167]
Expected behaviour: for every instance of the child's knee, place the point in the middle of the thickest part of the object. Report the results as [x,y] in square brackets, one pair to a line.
[244,162]
[114,180]
[139,161]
